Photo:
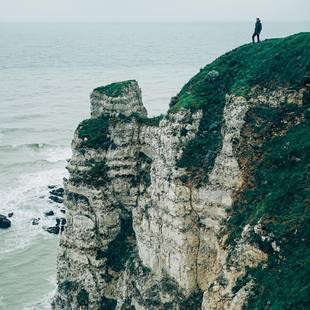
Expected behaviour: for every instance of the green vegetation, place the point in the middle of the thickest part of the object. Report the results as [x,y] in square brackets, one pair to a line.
[167,286]
[272,63]
[94,132]
[143,166]
[96,176]
[276,190]
[143,120]
[193,301]
[199,154]
[120,249]
[83,297]
[149,121]
[127,305]
[67,286]
[114,89]
[107,304]
[76,198]
[276,194]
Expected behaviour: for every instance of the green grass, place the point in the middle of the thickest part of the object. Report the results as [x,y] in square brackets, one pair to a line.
[143,120]
[96,176]
[193,301]
[94,132]
[120,249]
[67,286]
[277,194]
[143,166]
[83,297]
[278,164]
[272,63]
[114,89]
[149,121]
[107,304]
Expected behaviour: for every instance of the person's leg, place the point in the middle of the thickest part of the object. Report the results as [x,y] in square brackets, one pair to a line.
[253,36]
[258,38]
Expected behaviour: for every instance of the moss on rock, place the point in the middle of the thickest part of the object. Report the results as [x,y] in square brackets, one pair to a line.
[94,133]
[114,89]
[107,304]
[120,249]
[83,298]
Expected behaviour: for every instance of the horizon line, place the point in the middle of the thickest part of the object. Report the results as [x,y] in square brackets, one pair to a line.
[150,22]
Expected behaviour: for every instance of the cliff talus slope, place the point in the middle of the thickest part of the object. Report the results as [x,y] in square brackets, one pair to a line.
[206,207]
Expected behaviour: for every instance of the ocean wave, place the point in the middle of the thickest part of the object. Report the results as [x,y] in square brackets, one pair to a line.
[42,151]
[27,199]
[43,304]
[23,129]
[34,146]
[27,116]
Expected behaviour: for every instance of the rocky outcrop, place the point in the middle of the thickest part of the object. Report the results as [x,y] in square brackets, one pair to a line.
[150,200]
[4,222]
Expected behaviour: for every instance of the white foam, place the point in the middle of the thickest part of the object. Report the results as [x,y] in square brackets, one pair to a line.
[43,304]
[53,155]
[24,200]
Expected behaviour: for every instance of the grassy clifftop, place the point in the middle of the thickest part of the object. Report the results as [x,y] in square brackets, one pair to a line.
[271,64]
[114,89]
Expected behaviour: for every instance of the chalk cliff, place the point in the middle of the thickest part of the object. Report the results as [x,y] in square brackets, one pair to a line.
[200,208]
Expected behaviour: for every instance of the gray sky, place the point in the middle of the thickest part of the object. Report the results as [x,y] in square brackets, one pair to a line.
[152,10]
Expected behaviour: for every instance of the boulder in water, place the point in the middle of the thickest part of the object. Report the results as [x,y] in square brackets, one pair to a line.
[49,213]
[57,192]
[53,230]
[35,221]
[4,222]
[59,226]
[56,199]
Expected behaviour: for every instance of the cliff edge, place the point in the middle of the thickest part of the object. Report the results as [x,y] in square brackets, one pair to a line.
[206,207]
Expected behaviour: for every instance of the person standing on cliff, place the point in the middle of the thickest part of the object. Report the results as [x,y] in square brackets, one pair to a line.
[257,31]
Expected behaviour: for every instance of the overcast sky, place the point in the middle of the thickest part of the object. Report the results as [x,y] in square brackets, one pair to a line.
[152,10]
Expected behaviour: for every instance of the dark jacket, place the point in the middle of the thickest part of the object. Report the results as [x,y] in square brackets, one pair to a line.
[258,27]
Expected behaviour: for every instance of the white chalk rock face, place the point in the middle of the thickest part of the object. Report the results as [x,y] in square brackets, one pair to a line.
[124,97]
[138,235]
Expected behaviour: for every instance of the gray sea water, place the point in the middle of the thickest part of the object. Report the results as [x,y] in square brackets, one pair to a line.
[47,72]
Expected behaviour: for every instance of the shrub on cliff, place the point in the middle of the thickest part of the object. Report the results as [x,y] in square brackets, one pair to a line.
[83,297]
[114,89]
[94,133]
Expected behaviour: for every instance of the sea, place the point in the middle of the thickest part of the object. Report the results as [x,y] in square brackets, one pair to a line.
[47,72]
